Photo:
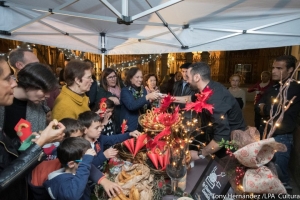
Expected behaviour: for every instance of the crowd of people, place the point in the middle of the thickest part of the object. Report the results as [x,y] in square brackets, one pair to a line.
[83,139]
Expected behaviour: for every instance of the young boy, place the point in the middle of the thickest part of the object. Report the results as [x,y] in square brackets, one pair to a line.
[92,133]
[70,182]
[39,174]
[73,127]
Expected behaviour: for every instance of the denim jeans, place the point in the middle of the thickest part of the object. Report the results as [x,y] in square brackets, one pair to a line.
[282,158]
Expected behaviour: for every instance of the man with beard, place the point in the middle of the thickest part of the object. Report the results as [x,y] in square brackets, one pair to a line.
[227,114]
[282,70]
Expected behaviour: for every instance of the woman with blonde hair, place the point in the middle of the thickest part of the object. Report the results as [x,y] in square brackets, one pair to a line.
[236,91]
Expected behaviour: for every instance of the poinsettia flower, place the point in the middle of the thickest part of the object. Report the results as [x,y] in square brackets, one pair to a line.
[201,104]
[168,119]
[164,104]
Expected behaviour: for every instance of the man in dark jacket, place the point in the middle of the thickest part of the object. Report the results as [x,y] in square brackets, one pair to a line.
[182,88]
[226,116]
[282,70]
[14,165]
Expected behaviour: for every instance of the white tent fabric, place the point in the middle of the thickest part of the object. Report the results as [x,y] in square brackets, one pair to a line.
[158,26]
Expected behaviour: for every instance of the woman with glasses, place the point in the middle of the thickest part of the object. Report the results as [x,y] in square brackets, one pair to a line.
[110,89]
[72,99]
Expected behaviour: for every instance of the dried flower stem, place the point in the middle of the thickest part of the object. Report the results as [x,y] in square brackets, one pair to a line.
[283,105]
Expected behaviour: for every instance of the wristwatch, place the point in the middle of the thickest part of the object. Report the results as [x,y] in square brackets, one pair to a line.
[200,154]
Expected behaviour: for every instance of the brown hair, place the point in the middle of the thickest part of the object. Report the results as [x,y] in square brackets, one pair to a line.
[75,69]
[104,75]
[131,72]
[146,78]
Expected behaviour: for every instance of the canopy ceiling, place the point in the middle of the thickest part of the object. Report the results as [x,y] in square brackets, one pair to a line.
[154,26]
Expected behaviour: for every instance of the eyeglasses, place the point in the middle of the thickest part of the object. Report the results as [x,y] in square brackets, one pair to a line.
[77,161]
[111,77]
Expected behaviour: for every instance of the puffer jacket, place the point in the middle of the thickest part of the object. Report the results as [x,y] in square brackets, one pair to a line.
[14,167]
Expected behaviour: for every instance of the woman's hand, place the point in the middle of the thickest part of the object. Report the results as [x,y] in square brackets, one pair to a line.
[110,153]
[152,96]
[54,132]
[115,100]
[135,133]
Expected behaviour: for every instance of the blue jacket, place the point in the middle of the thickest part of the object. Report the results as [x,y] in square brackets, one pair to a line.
[66,186]
[108,140]
[131,107]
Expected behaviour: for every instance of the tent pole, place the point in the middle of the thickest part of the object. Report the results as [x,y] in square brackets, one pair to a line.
[102,57]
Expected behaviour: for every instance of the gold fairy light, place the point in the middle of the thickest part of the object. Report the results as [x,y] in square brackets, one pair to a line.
[222,117]
[275,101]
[277,124]
[209,124]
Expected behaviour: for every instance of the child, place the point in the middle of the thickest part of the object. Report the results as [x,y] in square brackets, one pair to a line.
[92,133]
[70,182]
[107,122]
[73,127]
[39,174]
[237,92]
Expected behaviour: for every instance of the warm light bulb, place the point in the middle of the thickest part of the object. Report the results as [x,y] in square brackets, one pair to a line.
[277,124]
[275,100]
[222,116]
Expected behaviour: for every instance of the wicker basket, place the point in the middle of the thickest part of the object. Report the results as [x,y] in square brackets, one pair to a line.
[141,157]
[148,129]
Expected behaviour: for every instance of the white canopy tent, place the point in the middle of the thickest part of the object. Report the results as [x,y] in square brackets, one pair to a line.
[153,26]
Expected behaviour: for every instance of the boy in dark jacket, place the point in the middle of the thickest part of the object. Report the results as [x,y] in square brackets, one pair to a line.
[70,182]
[92,133]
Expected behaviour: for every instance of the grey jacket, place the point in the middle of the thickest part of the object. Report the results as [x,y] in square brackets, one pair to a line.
[35,114]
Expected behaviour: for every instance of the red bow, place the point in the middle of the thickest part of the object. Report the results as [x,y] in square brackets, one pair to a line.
[201,102]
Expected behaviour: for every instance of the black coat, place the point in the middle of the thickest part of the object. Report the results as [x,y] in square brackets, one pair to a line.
[14,167]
